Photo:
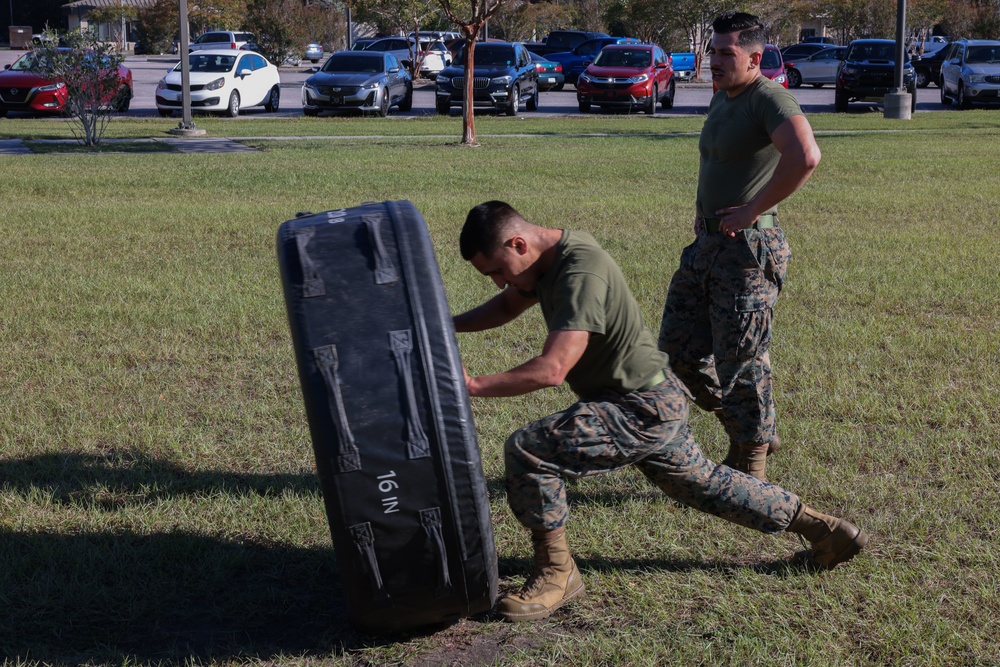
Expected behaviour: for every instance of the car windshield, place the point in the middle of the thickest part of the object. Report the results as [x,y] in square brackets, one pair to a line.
[872,52]
[353,63]
[29,62]
[200,62]
[487,55]
[983,54]
[771,60]
[623,58]
[209,37]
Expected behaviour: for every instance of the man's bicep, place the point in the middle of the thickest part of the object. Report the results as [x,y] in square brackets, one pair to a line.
[565,347]
[794,133]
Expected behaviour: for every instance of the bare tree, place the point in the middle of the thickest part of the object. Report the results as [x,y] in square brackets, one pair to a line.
[89,70]
[480,12]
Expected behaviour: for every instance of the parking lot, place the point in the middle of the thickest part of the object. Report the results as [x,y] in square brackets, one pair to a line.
[691,99]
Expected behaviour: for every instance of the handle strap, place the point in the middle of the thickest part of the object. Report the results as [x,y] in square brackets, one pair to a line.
[385,272]
[364,541]
[430,519]
[312,283]
[401,344]
[348,458]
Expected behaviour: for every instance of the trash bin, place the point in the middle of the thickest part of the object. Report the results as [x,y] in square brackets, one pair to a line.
[20,36]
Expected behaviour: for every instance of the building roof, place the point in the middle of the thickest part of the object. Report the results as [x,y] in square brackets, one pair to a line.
[81,6]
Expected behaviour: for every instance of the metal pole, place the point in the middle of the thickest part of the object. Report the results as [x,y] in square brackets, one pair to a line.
[350,29]
[185,68]
[900,44]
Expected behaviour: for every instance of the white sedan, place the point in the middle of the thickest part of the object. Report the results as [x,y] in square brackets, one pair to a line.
[222,80]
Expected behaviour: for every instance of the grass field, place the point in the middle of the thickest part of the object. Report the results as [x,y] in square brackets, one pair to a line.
[158,500]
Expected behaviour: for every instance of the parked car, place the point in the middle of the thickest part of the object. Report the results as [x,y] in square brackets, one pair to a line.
[970,73]
[550,73]
[627,75]
[818,69]
[358,80]
[503,77]
[819,39]
[558,41]
[772,65]
[577,60]
[362,43]
[222,80]
[801,50]
[23,89]
[223,39]
[868,73]
[434,57]
[434,35]
[683,64]
[314,52]
[928,65]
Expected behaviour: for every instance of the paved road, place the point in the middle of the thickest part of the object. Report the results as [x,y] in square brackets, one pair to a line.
[691,99]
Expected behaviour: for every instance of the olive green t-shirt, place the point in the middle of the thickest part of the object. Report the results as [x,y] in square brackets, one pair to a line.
[584,290]
[737,156]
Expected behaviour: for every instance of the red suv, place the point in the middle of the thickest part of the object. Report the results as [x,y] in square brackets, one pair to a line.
[627,75]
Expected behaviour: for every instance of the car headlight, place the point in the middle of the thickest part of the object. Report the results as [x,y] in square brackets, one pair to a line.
[638,78]
[780,78]
[443,80]
[586,78]
[162,84]
[976,78]
[371,85]
[502,80]
[849,71]
[52,86]
[218,83]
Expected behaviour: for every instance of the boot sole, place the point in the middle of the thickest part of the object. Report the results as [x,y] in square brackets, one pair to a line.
[545,613]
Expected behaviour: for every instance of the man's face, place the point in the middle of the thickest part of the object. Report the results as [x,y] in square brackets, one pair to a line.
[733,67]
[507,266]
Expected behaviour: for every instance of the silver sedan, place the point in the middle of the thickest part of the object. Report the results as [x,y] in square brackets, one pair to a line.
[817,69]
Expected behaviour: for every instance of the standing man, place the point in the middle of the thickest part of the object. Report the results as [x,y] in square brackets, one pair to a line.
[756,149]
[632,409]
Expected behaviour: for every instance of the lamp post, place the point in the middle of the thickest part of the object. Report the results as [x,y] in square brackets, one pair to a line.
[186,128]
[898,103]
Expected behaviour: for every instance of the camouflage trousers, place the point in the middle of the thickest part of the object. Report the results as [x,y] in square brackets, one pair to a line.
[647,429]
[716,327]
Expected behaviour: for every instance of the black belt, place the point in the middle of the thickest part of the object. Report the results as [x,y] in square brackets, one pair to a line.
[766,221]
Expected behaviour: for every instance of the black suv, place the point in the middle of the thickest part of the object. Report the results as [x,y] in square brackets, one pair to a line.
[558,41]
[504,76]
[868,73]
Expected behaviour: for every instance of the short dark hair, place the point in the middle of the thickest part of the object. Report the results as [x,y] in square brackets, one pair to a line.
[752,32]
[485,227]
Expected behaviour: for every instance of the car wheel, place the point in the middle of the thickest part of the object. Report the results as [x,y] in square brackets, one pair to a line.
[310,112]
[407,102]
[314,61]
[123,99]
[3,113]
[273,100]
[533,101]
[584,106]
[668,99]
[963,100]
[945,100]
[384,103]
[443,108]
[651,105]
[166,113]
[515,101]
[840,101]
[922,79]
[233,110]
[794,78]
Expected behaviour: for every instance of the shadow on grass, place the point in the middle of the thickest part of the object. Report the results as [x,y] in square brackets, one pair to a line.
[117,596]
[122,478]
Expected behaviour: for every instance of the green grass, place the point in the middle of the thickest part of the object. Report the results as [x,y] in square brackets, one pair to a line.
[158,500]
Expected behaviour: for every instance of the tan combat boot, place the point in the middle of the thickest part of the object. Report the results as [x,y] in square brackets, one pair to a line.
[554,581]
[833,540]
[750,458]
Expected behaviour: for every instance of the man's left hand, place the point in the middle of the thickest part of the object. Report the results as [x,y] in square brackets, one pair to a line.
[735,218]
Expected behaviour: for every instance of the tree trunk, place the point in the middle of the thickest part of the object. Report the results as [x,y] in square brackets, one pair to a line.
[468,112]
